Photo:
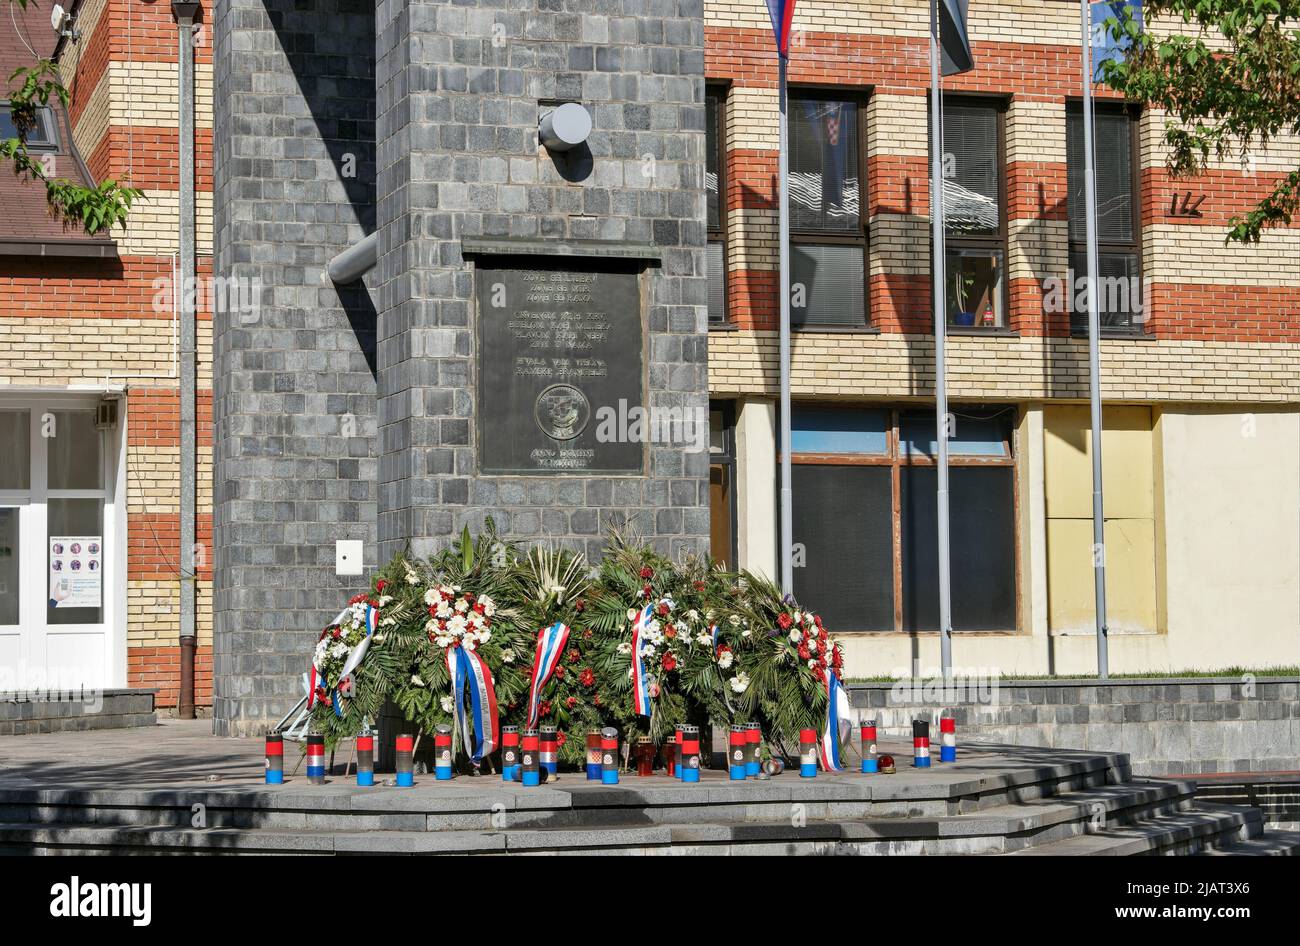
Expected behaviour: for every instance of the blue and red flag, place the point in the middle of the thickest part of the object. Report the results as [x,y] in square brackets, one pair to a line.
[782,14]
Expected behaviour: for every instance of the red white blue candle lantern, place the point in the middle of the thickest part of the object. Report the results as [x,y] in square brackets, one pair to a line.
[316,760]
[736,753]
[274,759]
[948,737]
[549,747]
[509,752]
[529,761]
[405,761]
[808,753]
[365,759]
[690,753]
[609,755]
[870,761]
[920,744]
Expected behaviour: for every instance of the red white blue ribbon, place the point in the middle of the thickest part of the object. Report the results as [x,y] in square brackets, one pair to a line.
[640,680]
[480,728]
[550,648]
[713,629]
[838,723]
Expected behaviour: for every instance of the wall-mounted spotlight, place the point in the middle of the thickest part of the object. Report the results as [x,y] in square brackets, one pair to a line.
[564,127]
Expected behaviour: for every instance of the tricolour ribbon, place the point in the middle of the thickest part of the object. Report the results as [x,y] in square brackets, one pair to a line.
[550,648]
[640,680]
[468,667]
[838,723]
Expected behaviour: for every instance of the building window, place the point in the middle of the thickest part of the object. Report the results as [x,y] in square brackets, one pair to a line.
[715,188]
[722,483]
[866,528]
[828,241]
[974,216]
[1119,259]
[42,136]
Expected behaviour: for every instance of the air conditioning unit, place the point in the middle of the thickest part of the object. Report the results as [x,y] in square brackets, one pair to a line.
[106,414]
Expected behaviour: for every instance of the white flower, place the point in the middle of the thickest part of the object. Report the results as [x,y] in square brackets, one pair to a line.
[446,704]
[693,614]
[648,650]
[415,680]
[412,578]
[431,597]
[735,620]
[340,649]
[798,617]
[444,641]
[384,600]
[812,665]
[746,632]
[489,606]
[725,659]
[740,682]
[704,640]
[484,636]
[812,646]
[508,655]
[631,614]
[708,615]
[625,648]
[457,625]
[795,636]
[682,626]
[388,622]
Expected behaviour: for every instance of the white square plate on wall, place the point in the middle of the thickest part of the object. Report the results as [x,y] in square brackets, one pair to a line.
[348,554]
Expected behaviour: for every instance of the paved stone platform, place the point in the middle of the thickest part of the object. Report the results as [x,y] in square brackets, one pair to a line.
[136,791]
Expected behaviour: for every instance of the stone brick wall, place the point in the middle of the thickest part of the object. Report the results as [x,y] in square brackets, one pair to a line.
[460,88]
[294,406]
[1167,726]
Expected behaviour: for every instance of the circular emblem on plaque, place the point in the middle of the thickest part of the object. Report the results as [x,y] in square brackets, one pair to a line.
[562,411]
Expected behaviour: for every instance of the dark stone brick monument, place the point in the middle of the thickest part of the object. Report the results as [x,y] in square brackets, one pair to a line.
[527,304]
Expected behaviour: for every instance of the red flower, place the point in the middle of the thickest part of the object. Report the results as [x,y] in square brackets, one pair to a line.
[545,708]
[804,652]
[820,674]
[337,632]
[817,619]
[433,612]
[561,738]
[821,659]
[670,662]
[357,599]
[699,586]
[559,673]
[670,631]
[571,702]
[586,635]
[580,605]
[645,592]
[784,620]
[837,659]
[574,656]
[596,699]
[381,585]
[478,607]
[588,677]
[663,608]
[647,572]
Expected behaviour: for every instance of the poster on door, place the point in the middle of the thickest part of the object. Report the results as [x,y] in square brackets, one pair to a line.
[76,571]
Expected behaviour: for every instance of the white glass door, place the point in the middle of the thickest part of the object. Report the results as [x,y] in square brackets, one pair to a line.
[59,562]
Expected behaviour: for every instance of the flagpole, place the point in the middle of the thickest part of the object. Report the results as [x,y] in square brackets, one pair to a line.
[783,240]
[937,293]
[1094,345]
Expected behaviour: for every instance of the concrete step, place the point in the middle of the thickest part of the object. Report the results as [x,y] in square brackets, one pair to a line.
[988,831]
[1191,831]
[1272,843]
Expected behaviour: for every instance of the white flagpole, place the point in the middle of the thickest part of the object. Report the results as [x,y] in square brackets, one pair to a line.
[937,293]
[783,237]
[1094,346]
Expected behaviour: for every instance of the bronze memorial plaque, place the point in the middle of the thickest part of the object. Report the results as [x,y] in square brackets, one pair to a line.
[559,362]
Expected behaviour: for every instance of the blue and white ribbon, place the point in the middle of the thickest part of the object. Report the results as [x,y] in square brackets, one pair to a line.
[838,723]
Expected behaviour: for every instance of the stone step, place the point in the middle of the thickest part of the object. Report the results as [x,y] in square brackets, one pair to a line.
[1191,831]
[992,830]
[1273,843]
[25,714]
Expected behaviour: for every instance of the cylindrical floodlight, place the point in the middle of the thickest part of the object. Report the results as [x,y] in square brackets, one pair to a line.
[564,128]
